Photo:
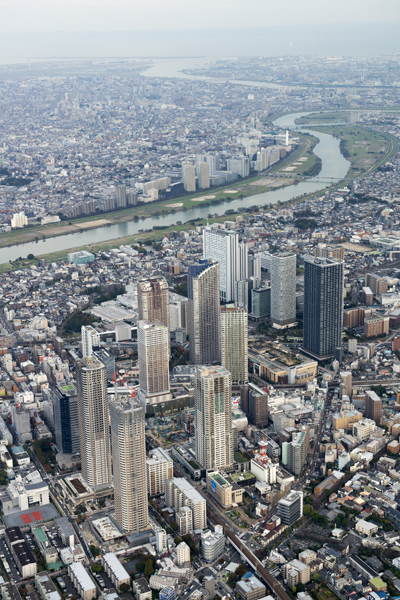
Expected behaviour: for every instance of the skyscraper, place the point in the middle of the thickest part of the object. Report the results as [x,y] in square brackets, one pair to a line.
[234,341]
[213,417]
[323,306]
[283,290]
[189,177]
[153,300]
[93,422]
[128,443]
[204,176]
[153,354]
[223,247]
[66,419]
[204,317]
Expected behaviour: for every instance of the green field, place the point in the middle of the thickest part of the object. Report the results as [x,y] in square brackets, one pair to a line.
[364,148]
[324,117]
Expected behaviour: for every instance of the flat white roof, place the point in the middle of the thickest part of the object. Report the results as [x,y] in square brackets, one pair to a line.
[85,581]
[119,571]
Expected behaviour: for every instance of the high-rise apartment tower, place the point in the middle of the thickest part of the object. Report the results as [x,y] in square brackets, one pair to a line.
[94,422]
[127,418]
[213,417]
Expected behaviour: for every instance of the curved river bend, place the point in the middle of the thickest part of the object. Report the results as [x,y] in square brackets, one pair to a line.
[333,165]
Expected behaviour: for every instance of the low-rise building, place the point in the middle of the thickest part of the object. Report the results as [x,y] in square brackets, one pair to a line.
[366,527]
[82,581]
[141,589]
[250,588]
[114,569]
[25,560]
[225,492]
[46,587]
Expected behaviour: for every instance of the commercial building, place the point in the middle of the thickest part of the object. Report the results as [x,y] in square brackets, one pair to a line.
[204,315]
[159,467]
[234,342]
[82,581]
[373,406]
[223,246]
[168,593]
[180,493]
[258,406]
[153,300]
[127,418]
[226,492]
[283,290]
[213,417]
[323,306]
[153,354]
[290,508]
[212,545]
[114,569]
[66,418]
[250,588]
[94,423]
[182,554]
[261,302]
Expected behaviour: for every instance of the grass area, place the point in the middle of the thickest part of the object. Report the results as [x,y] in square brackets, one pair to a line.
[324,117]
[364,148]
[241,457]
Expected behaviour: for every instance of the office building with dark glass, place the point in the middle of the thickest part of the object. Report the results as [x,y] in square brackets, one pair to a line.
[323,306]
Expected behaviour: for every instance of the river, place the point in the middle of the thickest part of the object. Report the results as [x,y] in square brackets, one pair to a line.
[333,165]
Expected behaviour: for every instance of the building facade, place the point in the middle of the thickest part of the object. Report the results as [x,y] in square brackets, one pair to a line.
[323,306]
[153,300]
[159,467]
[283,290]
[223,246]
[94,423]
[127,419]
[204,315]
[153,354]
[234,343]
[213,417]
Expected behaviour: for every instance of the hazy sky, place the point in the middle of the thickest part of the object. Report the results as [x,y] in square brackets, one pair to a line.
[115,15]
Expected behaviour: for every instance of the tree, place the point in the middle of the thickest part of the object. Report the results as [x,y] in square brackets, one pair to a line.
[315,576]
[300,587]
[94,550]
[96,568]
[124,588]
[240,571]
[30,256]
[149,569]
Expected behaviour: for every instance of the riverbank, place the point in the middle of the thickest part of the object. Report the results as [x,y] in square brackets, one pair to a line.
[366,149]
[251,186]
